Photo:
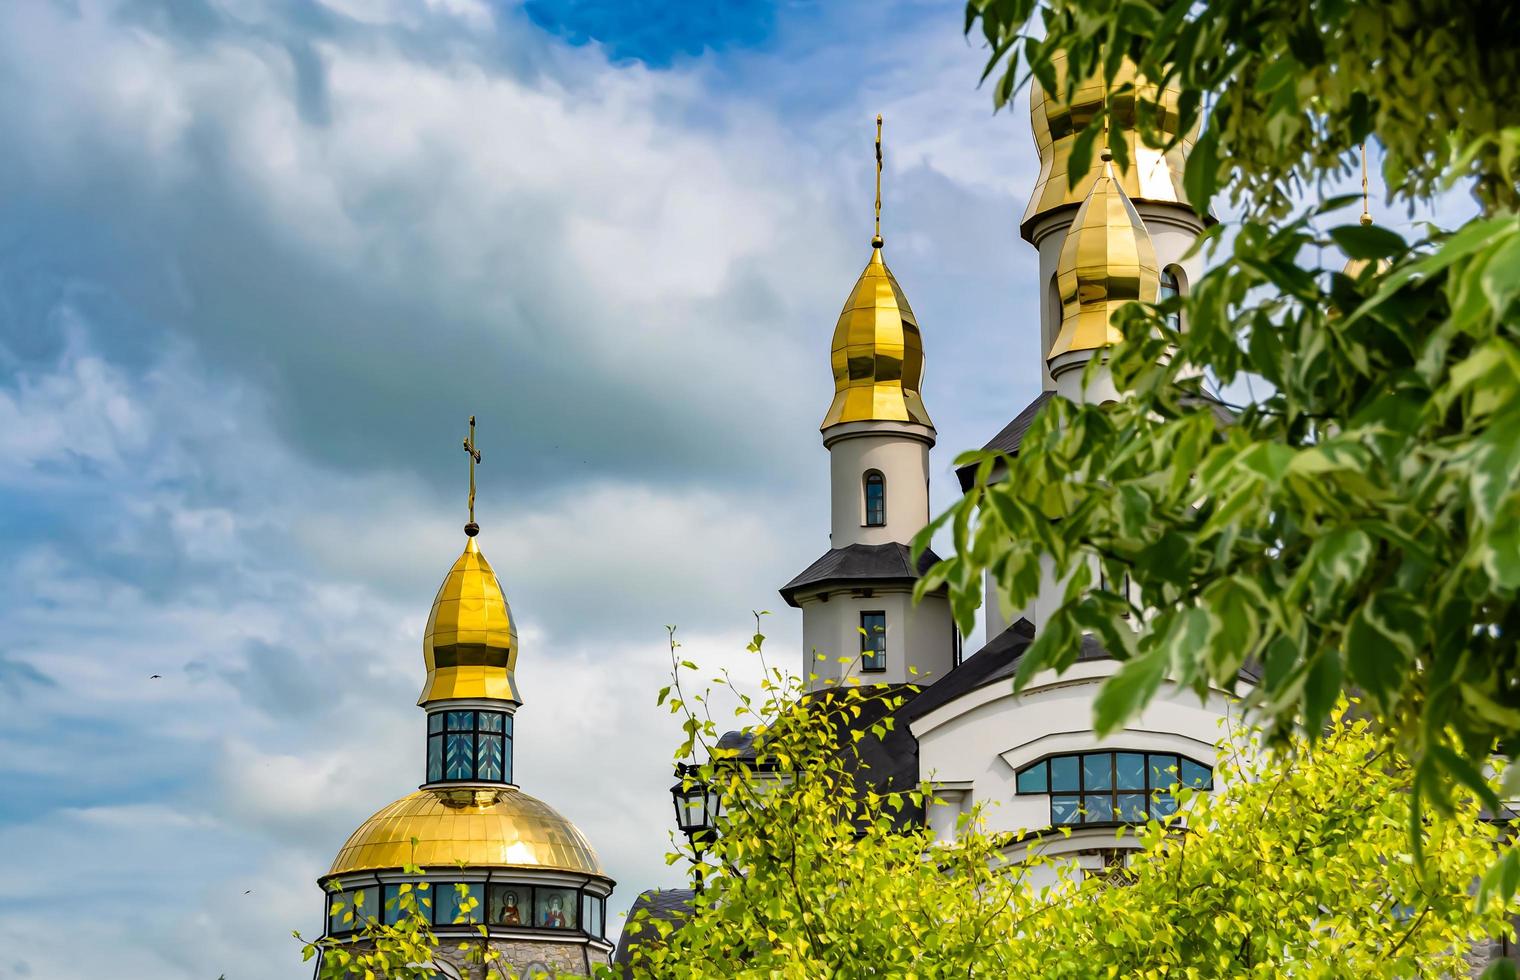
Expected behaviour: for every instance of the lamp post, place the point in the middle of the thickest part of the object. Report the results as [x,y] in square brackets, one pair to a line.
[697,807]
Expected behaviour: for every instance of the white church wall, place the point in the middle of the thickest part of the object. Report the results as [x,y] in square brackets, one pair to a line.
[919,635]
[857,448]
[975,744]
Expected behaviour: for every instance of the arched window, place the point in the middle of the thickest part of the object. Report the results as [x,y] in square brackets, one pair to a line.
[1171,286]
[1112,787]
[876,499]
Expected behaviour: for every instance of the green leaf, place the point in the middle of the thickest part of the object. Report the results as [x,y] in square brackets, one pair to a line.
[1123,695]
[1368,241]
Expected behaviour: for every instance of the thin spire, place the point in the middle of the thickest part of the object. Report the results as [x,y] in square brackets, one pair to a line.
[876,238]
[472,528]
[1366,211]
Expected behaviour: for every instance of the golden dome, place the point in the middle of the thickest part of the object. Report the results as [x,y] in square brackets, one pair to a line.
[1107,260]
[878,355]
[1153,175]
[470,644]
[497,828]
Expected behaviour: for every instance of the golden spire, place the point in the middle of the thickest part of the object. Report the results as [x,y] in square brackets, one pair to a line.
[470,642]
[1355,267]
[877,354]
[876,238]
[472,528]
[1107,260]
[1366,211]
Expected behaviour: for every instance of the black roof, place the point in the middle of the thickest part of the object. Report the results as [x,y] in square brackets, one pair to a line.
[662,903]
[891,562]
[1008,439]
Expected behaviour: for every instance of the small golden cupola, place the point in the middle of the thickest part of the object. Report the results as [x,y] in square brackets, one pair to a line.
[1153,174]
[877,353]
[470,644]
[1107,260]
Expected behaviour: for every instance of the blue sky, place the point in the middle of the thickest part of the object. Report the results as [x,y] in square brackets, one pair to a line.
[258,264]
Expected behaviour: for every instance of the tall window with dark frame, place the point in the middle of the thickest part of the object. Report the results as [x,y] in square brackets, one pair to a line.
[469,746]
[876,499]
[1171,285]
[1112,787]
[873,641]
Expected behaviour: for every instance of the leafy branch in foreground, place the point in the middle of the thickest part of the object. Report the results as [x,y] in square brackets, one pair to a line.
[1355,525]
[1294,867]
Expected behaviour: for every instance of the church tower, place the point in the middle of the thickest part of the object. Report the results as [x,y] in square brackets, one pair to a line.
[1117,235]
[488,854]
[858,616]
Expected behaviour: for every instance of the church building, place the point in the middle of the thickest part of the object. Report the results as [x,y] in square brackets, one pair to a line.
[469,848]
[1044,777]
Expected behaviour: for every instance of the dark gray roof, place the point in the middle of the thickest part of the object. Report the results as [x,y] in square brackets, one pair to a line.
[892,562]
[1009,439]
[995,661]
[660,903]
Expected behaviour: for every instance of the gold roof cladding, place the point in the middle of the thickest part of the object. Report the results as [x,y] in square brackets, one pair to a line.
[1107,260]
[878,354]
[470,644]
[1153,175]
[490,829]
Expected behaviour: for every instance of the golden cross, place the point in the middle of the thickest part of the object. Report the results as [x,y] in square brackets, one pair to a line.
[472,528]
[876,239]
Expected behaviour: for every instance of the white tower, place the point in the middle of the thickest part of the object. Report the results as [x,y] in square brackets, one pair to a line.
[858,615]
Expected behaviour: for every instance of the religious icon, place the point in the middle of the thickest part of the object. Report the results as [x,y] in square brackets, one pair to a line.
[555,917]
[507,913]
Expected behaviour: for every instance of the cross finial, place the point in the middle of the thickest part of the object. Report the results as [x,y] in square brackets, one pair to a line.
[876,239]
[472,528]
[1366,211]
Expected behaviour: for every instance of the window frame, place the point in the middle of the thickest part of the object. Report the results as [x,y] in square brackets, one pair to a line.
[1159,799]
[439,734]
[876,663]
[877,479]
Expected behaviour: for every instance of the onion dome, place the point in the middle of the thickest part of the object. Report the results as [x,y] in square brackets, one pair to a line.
[1107,260]
[498,828]
[470,644]
[878,354]
[1153,175]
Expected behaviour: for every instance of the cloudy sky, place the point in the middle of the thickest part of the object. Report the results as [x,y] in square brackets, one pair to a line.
[258,264]
[259,261]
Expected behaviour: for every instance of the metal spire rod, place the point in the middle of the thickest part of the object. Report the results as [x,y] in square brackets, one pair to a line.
[472,528]
[1366,211]
[876,239]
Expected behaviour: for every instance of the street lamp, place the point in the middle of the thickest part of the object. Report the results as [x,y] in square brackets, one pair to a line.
[697,804]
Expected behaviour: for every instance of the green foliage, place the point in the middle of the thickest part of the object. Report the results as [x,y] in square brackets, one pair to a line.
[1355,525]
[1295,867]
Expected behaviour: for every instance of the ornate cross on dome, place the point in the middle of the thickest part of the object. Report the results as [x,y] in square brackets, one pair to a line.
[876,239]
[472,528]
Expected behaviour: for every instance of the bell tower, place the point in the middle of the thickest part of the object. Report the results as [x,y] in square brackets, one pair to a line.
[859,620]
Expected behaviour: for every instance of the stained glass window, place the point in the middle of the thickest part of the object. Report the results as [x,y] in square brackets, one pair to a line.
[469,746]
[555,908]
[455,906]
[1112,787]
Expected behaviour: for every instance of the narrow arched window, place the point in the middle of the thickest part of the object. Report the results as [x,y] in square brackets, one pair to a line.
[1171,287]
[876,499]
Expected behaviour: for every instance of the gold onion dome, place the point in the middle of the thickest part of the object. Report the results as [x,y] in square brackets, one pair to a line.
[1107,260]
[878,354]
[1153,174]
[470,644]
[497,828]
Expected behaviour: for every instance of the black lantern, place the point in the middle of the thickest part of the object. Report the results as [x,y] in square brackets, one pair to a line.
[697,804]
